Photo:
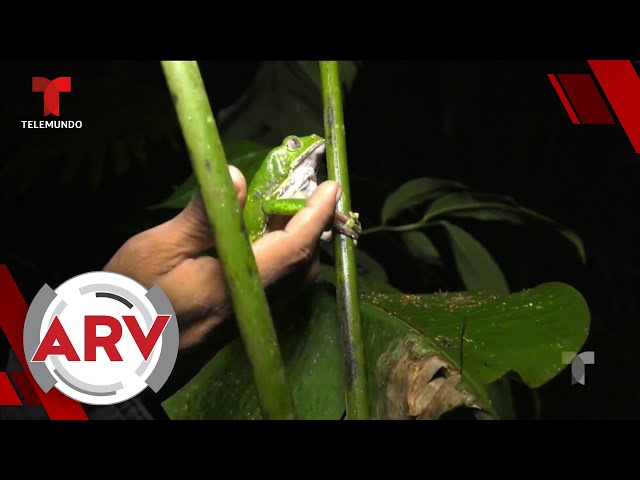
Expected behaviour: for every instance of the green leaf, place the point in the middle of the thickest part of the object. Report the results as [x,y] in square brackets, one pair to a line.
[415,192]
[421,247]
[484,335]
[568,233]
[497,207]
[478,269]
[247,156]
[367,264]
[481,336]
[490,207]
[309,335]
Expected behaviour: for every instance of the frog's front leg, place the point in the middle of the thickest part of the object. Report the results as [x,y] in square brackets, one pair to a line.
[346,224]
[283,206]
[276,211]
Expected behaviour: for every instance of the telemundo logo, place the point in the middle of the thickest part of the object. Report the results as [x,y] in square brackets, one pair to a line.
[578,363]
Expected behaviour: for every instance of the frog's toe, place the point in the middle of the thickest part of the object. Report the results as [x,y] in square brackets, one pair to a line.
[352,222]
[348,231]
[348,224]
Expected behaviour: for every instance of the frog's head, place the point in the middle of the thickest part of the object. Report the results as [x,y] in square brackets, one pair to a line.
[295,165]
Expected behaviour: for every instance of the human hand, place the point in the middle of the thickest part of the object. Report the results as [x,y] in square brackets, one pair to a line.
[171,255]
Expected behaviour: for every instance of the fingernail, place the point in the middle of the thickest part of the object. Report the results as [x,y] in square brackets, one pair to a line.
[233,171]
[237,178]
[338,193]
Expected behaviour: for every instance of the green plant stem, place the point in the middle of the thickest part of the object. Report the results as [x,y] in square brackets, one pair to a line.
[398,228]
[232,243]
[346,275]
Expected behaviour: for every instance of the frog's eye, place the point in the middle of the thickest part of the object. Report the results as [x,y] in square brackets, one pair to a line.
[293,143]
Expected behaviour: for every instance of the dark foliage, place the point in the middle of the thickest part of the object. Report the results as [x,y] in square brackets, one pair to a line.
[495,126]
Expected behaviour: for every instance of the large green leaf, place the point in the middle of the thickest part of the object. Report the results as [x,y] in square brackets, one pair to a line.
[417,348]
[491,207]
[421,247]
[461,201]
[367,264]
[415,192]
[309,336]
[247,156]
[478,269]
[484,335]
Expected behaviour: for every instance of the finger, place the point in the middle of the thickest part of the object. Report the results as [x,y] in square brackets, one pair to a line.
[278,253]
[240,184]
[308,224]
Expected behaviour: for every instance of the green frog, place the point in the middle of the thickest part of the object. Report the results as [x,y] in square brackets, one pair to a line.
[284,182]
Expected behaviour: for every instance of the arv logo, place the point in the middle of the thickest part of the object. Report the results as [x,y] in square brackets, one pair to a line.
[100,338]
[58,335]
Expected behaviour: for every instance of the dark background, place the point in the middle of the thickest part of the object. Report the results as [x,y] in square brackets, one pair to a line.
[496,126]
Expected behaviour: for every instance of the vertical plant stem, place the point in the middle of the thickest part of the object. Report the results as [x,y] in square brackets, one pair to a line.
[347,288]
[232,243]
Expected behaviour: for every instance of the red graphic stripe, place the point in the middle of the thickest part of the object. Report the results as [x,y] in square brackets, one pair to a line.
[8,395]
[620,83]
[586,99]
[563,99]
[29,396]
[12,316]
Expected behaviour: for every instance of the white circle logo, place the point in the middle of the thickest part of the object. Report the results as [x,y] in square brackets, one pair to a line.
[101,338]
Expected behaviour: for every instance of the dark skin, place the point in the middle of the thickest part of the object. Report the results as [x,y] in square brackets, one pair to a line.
[169,255]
